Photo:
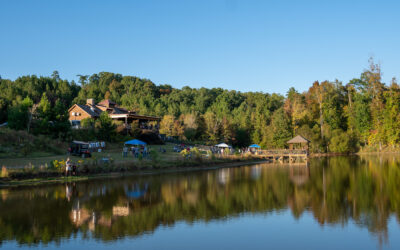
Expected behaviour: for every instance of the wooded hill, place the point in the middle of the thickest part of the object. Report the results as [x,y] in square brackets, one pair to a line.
[336,117]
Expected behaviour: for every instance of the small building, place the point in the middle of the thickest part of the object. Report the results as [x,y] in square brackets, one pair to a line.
[299,142]
[92,110]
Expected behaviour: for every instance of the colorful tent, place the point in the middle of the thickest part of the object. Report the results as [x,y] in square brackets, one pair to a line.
[222,145]
[254,146]
[135,142]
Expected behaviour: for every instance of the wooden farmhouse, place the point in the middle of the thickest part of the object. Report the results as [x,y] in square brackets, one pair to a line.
[92,110]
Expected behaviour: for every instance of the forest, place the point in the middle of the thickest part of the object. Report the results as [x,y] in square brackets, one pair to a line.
[362,114]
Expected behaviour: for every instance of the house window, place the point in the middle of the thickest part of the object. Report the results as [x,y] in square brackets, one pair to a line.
[75,124]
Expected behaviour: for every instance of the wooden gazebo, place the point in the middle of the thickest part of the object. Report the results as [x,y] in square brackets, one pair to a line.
[299,142]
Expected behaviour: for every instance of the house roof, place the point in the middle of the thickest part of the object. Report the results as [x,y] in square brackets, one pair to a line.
[118,110]
[107,103]
[91,110]
[112,109]
[93,113]
[298,139]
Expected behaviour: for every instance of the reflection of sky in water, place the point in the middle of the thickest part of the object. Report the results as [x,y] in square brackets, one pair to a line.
[260,231]
[255,172]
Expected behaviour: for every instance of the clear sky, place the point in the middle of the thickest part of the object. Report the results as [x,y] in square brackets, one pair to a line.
[244,45]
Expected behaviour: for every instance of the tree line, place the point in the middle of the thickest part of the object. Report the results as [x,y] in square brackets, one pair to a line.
[336,117]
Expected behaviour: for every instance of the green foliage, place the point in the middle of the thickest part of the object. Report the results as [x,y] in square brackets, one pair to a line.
[155,157]
[343,142]
[364,107]
[87,123]
[196,154]
[18,115]
[185,153]
[279,131]
[190,134]
[105,127]
[135,130]
[4,172]
[20,143]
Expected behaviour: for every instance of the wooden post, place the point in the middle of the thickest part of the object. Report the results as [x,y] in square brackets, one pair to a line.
[126,124]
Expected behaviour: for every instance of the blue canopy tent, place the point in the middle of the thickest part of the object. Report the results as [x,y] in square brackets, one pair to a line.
[254,146]
[135,142]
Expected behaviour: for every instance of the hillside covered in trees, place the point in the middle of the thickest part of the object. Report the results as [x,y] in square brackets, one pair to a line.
[335,116]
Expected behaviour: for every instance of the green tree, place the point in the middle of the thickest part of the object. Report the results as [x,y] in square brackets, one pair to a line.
[391,116]
[18,115]
[44,122]
[279,131]
[105,127]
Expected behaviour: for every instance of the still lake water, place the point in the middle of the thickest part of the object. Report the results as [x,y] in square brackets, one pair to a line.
[333,203]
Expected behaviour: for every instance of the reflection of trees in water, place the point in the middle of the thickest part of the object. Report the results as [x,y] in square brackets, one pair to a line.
[334,190]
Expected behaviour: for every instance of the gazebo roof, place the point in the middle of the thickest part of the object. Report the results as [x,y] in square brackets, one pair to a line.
[298,139]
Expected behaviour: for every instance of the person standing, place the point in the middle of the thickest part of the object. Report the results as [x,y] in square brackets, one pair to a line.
[67,167]
[125,151]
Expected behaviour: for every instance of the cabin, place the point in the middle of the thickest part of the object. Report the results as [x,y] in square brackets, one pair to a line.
[78,112]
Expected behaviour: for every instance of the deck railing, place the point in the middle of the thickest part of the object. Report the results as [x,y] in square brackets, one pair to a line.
[283,152]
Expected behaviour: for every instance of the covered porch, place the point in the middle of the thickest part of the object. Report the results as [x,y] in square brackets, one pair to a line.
[144,122]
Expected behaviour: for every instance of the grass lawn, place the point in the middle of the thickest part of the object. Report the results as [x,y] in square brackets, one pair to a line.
[113,151]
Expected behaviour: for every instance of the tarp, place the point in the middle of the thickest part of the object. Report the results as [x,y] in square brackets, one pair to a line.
[135,142]
[80,142]
[254,146]
[222,145]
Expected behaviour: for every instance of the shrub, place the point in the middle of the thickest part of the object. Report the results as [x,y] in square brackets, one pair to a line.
[343,142]
[58,165]
[197,154]
[4,172]
[185,153]
[155,158]
[210,153]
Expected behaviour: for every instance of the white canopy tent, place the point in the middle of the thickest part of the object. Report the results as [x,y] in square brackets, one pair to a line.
[222,145]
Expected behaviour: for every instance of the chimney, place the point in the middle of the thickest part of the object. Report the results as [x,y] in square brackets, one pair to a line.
[90,102]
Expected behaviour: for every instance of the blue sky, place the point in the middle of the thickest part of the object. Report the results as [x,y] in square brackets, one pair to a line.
[248,45]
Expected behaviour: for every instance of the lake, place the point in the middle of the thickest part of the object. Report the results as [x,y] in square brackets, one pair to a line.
[331,203]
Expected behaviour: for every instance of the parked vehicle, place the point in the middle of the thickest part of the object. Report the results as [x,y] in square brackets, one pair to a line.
[177,149]
[79,148]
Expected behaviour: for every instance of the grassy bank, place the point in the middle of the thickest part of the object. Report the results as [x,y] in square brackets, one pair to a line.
[25,176]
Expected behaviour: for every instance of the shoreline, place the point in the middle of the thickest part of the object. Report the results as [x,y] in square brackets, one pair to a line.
[34,181]
[62,179]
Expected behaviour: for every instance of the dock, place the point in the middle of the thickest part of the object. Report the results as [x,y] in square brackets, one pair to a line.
[290,156]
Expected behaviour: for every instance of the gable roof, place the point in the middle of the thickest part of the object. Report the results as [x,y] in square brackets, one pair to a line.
[93,113]
[298,139]
[118,110]
[114,111]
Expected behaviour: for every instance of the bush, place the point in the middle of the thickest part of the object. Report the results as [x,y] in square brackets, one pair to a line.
[343,142]
[197,154]
[4,172]
[58,165]
[185,153]
[17,143]
[155,158]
